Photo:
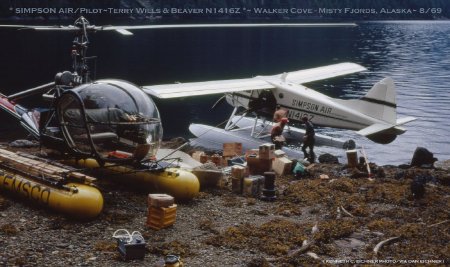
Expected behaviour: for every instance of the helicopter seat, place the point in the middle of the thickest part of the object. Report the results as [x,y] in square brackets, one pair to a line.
[104,137]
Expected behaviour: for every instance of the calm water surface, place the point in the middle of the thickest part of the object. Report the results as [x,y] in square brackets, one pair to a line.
[415,54]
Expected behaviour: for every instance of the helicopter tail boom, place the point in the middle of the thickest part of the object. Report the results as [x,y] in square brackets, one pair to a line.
[29,119]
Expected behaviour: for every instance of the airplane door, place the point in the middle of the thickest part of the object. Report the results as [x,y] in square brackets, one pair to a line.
[264,103]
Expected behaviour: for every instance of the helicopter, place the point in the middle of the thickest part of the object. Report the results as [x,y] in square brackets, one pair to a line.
[108,120]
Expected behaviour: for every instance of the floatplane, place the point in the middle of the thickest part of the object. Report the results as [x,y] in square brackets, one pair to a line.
[108,126]
[373,115]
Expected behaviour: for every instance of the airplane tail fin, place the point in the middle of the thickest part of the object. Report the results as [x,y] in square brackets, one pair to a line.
[380,103]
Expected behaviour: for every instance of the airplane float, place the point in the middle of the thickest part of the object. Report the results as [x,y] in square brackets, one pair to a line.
[108,126]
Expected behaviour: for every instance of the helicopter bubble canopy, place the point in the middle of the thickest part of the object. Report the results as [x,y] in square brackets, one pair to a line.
[111,120]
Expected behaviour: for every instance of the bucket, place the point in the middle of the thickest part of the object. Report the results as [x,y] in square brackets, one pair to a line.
[352,158]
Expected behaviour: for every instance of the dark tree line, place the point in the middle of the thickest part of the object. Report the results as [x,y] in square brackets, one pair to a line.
[8,8]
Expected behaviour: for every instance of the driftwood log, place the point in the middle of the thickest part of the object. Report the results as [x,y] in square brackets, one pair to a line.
[379,245]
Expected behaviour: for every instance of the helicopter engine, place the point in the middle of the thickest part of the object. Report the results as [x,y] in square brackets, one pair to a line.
[110,120]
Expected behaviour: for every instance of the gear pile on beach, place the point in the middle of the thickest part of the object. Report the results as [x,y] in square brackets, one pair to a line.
[331,213]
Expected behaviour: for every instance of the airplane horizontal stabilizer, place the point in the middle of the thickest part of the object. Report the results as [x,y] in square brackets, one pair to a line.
[374,128]
[404,120]
[383,128]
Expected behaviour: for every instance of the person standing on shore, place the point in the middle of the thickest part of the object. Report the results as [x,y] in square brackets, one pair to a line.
[308,140]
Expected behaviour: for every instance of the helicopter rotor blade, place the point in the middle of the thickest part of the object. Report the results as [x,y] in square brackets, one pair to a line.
[124,30]
[44,28]
[226,25]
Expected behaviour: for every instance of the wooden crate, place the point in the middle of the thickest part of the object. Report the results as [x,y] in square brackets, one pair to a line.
[160,217]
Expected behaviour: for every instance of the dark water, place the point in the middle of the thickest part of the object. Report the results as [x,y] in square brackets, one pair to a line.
[415,54]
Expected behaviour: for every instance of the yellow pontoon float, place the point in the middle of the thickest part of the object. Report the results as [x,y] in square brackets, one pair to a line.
[50,184]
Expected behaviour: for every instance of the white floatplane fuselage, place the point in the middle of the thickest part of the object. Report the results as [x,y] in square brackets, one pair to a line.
[373,115]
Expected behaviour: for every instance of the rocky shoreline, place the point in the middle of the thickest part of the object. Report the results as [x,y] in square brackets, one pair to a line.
[314,221]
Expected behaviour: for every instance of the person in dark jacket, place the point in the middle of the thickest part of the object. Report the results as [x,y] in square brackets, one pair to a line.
[308,140]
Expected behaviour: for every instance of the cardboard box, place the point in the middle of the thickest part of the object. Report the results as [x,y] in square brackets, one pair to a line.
[279,153]
[282,166]
[236,185]
[160,200]
[204,158]
[266,151]
[257,166]
[251,152]
[232,149]
[238,171]
[265,165]
[207,177]
[216,159]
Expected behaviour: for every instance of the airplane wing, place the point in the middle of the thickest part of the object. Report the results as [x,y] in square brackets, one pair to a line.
[322,73]
[256,83]
[205,88]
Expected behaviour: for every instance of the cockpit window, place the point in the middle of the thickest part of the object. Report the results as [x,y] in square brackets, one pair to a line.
[119,120]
